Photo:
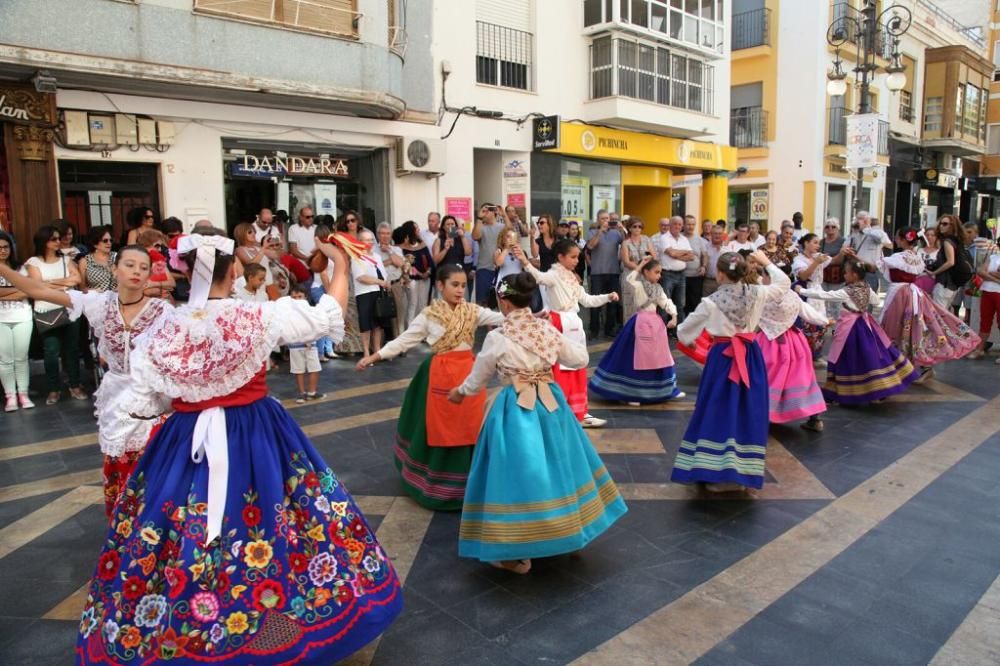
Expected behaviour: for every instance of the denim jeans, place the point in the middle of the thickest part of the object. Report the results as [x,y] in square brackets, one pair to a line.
[673,283]
[324,345]
[484,284]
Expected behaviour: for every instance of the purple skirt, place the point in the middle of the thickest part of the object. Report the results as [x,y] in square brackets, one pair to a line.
[867,370]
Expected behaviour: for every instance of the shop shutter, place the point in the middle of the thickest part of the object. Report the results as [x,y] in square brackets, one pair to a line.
[514,14]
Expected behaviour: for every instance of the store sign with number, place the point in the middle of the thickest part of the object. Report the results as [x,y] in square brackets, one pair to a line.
[575,198]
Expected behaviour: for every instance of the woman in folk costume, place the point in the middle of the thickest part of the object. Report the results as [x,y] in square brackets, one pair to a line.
[435,437]
[565,295]
[922,330]
[793,393]
[638,368]
[116,319]
[726,439]
[863,365]
[233,541]
[537,487]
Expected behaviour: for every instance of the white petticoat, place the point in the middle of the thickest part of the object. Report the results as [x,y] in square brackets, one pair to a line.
[117,431]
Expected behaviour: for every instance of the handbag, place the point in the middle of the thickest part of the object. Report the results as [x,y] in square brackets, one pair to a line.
[385,304]
[52,319]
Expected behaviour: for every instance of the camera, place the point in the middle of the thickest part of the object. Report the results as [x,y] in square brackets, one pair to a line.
[612,223]
[453,233]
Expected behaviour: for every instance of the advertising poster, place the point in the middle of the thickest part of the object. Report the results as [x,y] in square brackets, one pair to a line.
[326,198]
[575,191]
[758,205]
[862,140]
[461,208]
[604,197]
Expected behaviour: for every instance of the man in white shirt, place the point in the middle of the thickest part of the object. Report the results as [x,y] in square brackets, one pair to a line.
[264,227]
[866,241]
[673,250]
[741,240]
[302,236]
[715,248]
[755,237]
[694,270]
[430,234]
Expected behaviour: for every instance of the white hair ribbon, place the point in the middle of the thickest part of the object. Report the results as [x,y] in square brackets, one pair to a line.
[204,265]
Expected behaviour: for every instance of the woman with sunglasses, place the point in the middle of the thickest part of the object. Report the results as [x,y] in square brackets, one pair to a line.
[97,268]
[633,252]
[138,219]
[15,333]
[350,223]
[950,267]
[48,265]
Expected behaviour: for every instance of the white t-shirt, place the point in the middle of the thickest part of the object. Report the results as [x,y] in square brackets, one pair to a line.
[303,237]
[14,312]
[428,237]
[664,242]
[272,231]
[55,271]
[240,292]
[735,246]
[759,242]
[993,267]
[361,267]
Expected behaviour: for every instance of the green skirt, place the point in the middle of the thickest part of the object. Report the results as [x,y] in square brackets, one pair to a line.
[434,476]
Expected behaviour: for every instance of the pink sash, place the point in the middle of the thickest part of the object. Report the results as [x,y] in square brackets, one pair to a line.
[652,349]
[737,350]
[925,282]
[848,320]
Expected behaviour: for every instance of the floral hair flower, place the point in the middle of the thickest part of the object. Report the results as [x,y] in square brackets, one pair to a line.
[504,289]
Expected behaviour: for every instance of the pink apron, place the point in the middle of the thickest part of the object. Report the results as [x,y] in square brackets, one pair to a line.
[652,349]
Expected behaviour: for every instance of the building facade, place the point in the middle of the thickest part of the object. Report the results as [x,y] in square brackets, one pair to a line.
[791,135]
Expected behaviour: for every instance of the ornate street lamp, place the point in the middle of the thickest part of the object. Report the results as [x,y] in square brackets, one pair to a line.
[870,32]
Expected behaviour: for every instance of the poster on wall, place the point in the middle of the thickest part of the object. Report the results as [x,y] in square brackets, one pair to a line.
[575,199]
[604,198]
[461,209]
[515,184]
[326,198]
[862,140]
[758,205]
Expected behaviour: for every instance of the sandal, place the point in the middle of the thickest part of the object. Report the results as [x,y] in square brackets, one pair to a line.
[52,398]
[517,566]
[814,425]
[78,393]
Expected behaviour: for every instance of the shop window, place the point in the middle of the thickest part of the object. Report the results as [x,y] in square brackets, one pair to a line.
[338,17]
[503,56]
[906,106]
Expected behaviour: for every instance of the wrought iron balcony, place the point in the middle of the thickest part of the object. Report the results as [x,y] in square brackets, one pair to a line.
[748,127]
[751,29]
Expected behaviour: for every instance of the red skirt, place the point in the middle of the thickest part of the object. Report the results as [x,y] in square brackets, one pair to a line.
[116,472]
[572,382]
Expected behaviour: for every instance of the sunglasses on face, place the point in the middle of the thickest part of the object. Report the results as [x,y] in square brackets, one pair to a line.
[352,219]
[105,240]
[148,217]
[55,239]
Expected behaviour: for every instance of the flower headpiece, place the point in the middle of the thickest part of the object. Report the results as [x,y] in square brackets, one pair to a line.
[505,289]
[910,236]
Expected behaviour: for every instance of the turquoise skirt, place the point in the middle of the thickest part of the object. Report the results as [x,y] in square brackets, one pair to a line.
[537,487]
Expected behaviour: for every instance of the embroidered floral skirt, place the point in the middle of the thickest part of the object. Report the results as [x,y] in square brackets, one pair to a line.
[617,379]
[791,379]
[116,472]
[923,331]
[537,486]
[726,439]
[434,476]
[297,575]
[866,370]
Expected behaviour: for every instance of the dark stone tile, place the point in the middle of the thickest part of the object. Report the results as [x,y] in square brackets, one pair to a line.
[495,612]
[763,521]
[872,641]
[432,639]
[446,580]
[13,511]
[42,643]
[773,645]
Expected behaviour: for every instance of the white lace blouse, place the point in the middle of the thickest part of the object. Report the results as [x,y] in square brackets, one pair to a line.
[734,308]
[564,291]
[497,348]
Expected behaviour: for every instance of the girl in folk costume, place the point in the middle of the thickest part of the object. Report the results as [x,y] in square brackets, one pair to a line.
[435,437]
[233,541]
[116,319]
[726,439]
[638,368]
[565,295]
[807,269]
[863,365]
[537,486]
[923,331]
[791,378]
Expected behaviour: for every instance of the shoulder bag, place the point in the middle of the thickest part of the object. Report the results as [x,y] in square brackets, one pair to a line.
[52,319]
[385,304]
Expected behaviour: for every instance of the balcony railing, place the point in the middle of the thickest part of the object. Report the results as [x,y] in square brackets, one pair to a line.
[847,21]
[338,17]
[626,68]
[751,29]
[748,127]
[837,129]
[504,56]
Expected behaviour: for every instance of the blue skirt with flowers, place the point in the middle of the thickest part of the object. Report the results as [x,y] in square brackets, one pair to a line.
[296,576]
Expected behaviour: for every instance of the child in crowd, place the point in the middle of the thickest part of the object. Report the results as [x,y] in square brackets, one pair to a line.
[435,437]
[250,287]
[565,295]
[638,368]
[303,357]
[725,441]
[537,487]
[863,365]
[161,282]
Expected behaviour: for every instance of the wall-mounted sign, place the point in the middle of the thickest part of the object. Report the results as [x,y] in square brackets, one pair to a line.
[545,132]
[862,140]
[758,205]
[574,198]
[24,105]
[293,165]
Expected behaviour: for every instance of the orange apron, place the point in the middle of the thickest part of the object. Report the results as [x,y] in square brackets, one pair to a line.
[449,424]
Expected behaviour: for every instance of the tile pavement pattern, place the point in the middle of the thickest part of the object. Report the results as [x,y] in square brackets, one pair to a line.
[874,542]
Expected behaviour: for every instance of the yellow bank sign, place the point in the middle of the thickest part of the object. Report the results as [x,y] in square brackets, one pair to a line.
[636,147]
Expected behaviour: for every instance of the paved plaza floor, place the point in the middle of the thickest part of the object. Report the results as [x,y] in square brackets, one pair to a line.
[875,542]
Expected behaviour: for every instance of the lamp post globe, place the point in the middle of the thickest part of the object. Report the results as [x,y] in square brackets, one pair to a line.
[895,81]
[836,87]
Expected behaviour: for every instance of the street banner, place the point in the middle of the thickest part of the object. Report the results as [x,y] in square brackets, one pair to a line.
[862,140]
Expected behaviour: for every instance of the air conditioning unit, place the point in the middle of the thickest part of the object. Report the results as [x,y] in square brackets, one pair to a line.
[420,156]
